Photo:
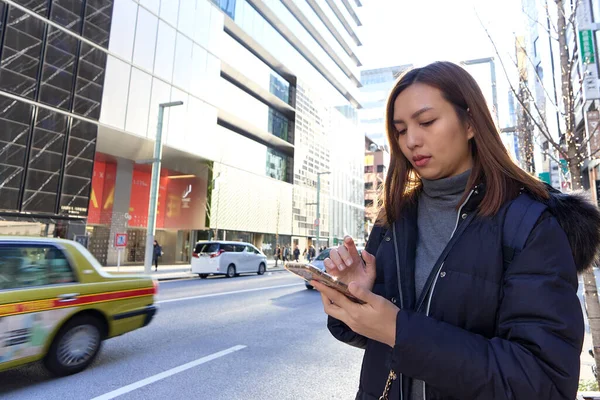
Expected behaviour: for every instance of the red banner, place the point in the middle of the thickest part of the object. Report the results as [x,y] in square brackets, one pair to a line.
[180,200]
[103,193]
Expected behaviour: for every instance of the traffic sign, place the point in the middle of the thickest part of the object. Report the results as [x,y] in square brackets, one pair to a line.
[121,240]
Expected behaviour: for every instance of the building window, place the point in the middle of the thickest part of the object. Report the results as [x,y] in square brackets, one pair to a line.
[45,161]
[540,70]
[279,125]
[277,165]
[15,120]
[368,203]
[280,88]
[97,21]
[21,53]
[381,168]
[228,6]
[368,185]
[368,169]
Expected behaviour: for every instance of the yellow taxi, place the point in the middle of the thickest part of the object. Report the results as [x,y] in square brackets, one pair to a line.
[58,305]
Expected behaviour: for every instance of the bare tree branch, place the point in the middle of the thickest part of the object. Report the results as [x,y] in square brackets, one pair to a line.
[536,21]
[549,19]
[589,138]
[546,130]
[594,152]
[545,152]
[546,134]
[538,77]
[571,21]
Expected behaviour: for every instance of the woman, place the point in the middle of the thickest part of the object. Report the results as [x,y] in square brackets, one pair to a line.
[448,314]
[156,253]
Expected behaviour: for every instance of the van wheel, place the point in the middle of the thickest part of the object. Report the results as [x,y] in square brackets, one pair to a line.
[75,346]
[261,269]
[230,271]
[203,276]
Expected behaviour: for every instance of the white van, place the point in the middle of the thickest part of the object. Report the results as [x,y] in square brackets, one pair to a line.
[227,258]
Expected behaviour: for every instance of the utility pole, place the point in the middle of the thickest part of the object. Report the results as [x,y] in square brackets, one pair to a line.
[489,60]
[154,186]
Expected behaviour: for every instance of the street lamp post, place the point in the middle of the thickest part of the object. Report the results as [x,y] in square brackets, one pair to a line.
[318,204]
[154,186]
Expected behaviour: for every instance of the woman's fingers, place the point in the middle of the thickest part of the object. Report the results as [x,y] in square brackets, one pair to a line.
[330,267]
[351,248]
[345,255]
[337,260]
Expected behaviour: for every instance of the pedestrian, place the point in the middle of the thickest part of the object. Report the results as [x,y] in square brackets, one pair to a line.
[286,253]
[277,254]
[296,254]
[156,253]
[311,253]
[472,293]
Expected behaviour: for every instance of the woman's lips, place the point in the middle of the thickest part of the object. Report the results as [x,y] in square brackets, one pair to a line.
[422,161]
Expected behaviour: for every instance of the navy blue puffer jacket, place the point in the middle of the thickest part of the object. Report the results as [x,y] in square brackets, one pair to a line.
[481,330]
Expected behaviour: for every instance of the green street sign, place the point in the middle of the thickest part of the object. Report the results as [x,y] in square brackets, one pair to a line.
[564,166]
[586,43]
[545,177]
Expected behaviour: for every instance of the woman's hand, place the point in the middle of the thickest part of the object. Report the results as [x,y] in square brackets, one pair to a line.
[376,319]
[347,265]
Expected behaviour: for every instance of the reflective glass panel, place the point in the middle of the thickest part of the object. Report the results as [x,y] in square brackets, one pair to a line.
[45,161]
[15,120]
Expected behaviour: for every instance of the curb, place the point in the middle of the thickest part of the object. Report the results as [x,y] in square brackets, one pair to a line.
[195,276]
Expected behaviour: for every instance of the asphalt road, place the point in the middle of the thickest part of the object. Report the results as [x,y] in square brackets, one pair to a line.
[250,337]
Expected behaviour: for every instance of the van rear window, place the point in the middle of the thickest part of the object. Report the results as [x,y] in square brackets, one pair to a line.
[206,248]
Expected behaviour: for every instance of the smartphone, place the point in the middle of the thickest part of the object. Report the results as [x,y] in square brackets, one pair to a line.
[310,272]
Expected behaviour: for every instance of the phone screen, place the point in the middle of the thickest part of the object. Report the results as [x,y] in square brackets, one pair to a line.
[310,272]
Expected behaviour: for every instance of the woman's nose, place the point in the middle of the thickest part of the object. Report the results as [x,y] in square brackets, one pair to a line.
[413,138]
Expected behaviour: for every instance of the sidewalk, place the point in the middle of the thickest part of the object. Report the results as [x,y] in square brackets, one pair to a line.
[175,271]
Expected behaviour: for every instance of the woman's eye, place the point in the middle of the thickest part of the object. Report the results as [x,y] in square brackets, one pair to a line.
[428,122]
[401,131]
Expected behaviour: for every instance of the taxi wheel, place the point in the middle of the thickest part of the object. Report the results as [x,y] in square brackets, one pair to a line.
[203,276]
[75,346]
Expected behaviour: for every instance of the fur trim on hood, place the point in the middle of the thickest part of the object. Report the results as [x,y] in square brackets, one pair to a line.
[580,219]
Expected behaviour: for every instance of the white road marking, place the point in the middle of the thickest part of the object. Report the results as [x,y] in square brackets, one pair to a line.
[204,296]
[166,374]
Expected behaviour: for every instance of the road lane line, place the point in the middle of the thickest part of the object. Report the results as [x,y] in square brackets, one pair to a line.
[204,296]
[166,374]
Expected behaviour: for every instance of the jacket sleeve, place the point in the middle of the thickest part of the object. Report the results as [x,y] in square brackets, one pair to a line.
[535,354]
[340,330]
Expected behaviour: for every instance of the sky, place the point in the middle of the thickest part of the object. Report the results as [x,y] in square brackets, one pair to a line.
[418,32]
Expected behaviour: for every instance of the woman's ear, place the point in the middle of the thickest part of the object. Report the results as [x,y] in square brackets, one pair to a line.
[470,130]
[470,125]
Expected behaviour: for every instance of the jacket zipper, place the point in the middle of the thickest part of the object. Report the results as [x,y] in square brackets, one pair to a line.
[440,269]
[400,294]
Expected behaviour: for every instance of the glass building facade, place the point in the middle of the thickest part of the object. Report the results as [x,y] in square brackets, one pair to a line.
[52,71]
[269,100]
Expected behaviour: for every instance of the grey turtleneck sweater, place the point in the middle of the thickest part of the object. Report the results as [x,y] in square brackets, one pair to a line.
[436,220]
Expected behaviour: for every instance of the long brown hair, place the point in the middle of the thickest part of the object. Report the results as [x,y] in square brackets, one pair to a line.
[492,164]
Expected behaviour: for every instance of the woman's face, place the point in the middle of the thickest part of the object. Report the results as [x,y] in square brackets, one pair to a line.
[430,133]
